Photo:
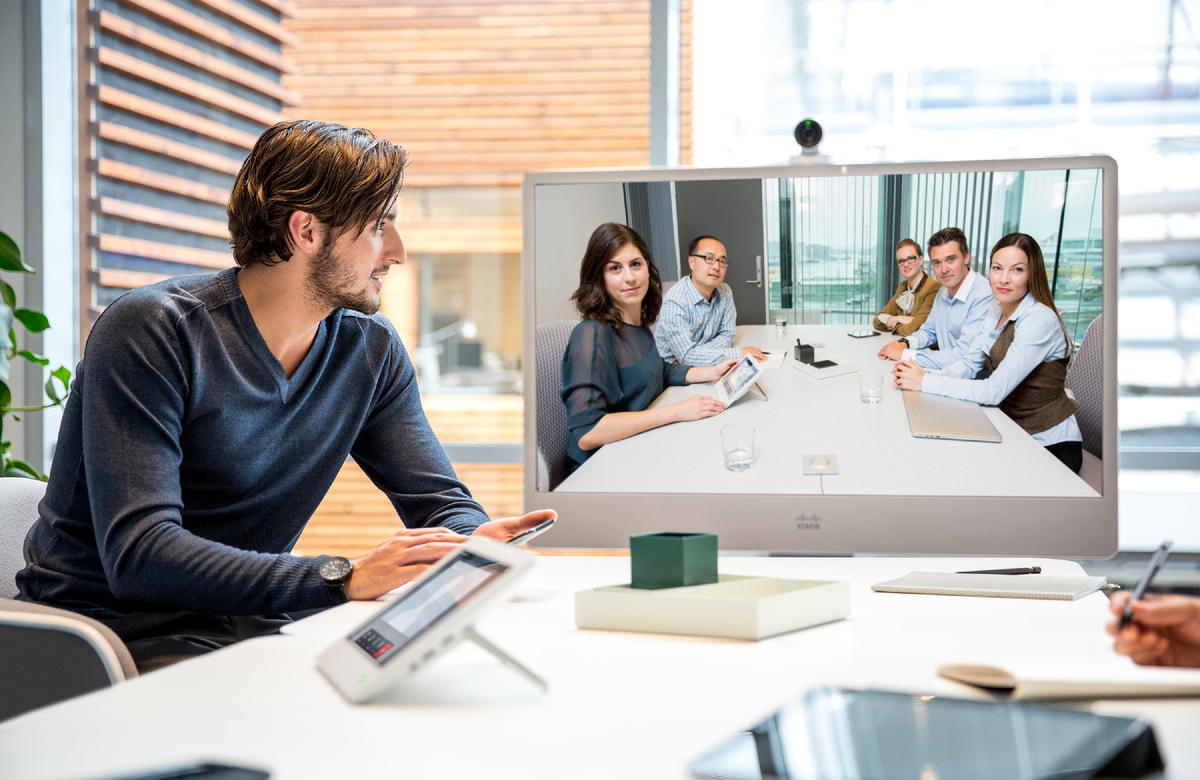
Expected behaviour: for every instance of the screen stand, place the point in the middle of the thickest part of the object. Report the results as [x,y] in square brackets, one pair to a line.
[504,658]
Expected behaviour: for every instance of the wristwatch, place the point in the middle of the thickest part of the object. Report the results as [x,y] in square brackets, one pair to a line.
[903,341]
[336,571]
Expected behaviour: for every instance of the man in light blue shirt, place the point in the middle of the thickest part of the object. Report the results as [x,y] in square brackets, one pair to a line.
[697,319]
[958,311]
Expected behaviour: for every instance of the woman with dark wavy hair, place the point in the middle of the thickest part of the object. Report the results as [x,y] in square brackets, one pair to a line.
[611,369]
[1021,355]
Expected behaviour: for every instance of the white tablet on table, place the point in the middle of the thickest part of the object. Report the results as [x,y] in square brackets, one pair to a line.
[429,618]
[738,380]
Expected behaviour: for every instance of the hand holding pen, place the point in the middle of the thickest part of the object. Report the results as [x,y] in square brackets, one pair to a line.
[1165,630]
[1158,630]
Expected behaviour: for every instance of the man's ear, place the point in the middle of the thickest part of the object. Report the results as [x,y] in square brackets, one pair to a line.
[306,232]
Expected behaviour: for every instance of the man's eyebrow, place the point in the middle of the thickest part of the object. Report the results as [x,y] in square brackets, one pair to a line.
[390,215]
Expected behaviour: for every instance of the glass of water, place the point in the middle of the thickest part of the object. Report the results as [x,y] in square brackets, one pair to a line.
[737,445]
[870,386]
[781,324]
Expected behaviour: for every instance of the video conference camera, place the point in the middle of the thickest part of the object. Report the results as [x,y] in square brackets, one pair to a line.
[808,134]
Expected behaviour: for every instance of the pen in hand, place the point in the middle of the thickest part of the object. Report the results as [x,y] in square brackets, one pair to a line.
[1018,570]
[1156,562]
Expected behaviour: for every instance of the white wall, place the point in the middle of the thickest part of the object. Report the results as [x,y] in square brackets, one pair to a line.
[565,216]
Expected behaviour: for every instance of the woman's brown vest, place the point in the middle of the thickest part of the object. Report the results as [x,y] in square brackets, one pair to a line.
[1040,402]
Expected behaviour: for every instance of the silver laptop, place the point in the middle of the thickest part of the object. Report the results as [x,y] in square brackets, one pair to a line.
[935,417]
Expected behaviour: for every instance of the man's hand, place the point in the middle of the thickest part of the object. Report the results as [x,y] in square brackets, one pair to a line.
[507,527]
[908,374]
[902,319]
[1165,630]
[755,353]
[401,558]
[892,351]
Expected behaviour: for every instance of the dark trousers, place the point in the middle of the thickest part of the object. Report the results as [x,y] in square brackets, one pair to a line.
[159,639]
[1070,453]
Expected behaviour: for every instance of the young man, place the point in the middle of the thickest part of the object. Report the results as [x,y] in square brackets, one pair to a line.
[697,319]
[958,310]
[210,414]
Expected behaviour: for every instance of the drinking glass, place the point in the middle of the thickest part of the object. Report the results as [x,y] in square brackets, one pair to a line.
[737,445]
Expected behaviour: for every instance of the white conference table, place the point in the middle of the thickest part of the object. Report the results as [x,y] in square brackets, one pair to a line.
[802,415]
[619,704]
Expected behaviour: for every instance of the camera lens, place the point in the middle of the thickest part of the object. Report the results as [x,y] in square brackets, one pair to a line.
[808,133]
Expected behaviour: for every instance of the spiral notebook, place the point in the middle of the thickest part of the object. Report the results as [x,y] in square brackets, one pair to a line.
[1007,586]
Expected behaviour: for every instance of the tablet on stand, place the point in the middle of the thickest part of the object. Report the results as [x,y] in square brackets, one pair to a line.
[430,617]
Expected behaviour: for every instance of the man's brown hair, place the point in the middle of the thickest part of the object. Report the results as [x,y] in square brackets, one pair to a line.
[591,297]
[946,235]
[346,178]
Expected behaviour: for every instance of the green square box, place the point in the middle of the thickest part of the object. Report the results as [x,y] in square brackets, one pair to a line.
[673,560]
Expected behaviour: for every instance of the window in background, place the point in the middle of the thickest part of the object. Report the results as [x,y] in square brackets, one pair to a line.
[834,262]
[904,80]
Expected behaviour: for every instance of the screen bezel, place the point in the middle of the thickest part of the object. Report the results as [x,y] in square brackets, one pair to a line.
[425,589]
[828,524]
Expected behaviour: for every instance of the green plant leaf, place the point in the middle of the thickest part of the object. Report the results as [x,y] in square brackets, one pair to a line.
[34,321]
[19,468]
[10,256]
[59,384]
[34,357]
[8,296]
[5,398]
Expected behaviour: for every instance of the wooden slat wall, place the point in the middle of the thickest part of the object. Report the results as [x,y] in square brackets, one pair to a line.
[482,92]
[178,92]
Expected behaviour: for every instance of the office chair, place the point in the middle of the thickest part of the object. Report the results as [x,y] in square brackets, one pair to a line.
[46,654]
[550,343]
[1085,380]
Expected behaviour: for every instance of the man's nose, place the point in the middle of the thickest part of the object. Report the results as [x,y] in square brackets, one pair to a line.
[394,252]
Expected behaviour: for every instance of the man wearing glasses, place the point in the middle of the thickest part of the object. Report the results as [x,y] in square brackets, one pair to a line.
[910,306]
[695,325]
[958,310]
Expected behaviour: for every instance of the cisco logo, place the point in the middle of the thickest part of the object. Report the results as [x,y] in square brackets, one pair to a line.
[808,522]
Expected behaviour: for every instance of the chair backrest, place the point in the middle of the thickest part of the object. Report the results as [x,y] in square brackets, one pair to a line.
[550,344]
[48,655]
[19,498]
[1085,377]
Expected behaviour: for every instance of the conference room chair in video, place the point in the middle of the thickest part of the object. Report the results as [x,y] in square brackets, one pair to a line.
[46,654]
[550,344]
[1085,380]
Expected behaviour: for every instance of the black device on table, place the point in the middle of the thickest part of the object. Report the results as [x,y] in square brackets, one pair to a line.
[537,530]
[805,353]
[880,735]
[862,334]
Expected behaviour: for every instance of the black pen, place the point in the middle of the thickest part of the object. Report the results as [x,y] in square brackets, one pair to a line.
[1156,562]
[1018,570]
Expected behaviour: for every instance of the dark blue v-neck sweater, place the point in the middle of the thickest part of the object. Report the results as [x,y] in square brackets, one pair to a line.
[187,462]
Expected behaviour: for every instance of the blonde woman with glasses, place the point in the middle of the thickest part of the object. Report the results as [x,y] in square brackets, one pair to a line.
[910,306]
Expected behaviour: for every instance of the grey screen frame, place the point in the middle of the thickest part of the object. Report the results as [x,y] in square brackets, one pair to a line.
[827,524]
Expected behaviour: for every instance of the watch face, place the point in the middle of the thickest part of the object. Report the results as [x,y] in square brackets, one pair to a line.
[335,569]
